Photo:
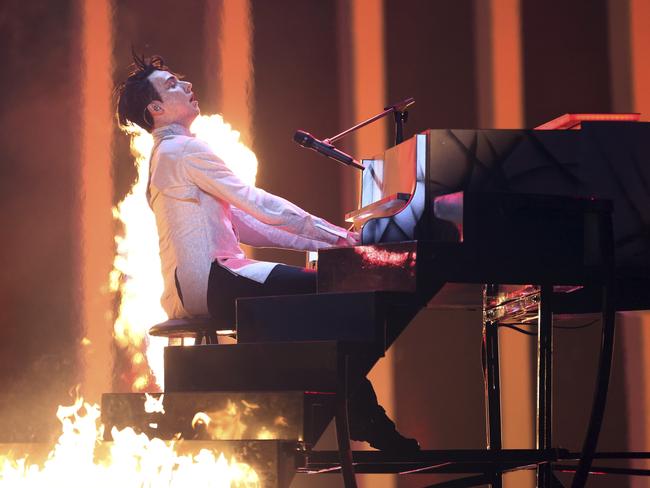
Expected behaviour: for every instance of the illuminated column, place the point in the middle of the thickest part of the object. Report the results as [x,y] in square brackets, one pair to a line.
[640,56]
[629,42]
[640,70]
[639,42]
[499,64]
[230,65]
[96,230]
[500,97]
[368,96]
[369,74]
[363,86]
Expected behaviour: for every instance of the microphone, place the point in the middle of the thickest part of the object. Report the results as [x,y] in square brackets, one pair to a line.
[305,139]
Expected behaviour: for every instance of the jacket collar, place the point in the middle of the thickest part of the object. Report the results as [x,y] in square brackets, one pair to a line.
[170,130]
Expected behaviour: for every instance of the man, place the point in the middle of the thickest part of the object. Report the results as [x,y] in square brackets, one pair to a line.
[203,211]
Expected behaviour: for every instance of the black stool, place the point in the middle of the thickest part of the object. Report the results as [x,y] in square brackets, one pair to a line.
[201,329]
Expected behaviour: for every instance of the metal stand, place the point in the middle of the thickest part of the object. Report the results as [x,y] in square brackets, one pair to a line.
[544,381]
[492,392]
[492,381]
[400,109]
[400,119]
[524,305]
[343,426]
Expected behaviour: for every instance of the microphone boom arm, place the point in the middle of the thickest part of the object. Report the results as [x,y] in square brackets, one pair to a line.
[400,110]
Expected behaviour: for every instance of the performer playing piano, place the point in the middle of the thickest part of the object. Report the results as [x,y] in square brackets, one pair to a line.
[203,212]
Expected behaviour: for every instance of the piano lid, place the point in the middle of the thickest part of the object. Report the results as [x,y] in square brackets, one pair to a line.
[574,121]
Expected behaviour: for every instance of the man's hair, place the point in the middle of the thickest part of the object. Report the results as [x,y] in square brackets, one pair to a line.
[137,92]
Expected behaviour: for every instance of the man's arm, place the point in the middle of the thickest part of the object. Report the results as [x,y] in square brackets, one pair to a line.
[255,233]
[210,174]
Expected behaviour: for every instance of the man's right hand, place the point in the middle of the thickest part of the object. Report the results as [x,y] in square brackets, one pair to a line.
[351,239]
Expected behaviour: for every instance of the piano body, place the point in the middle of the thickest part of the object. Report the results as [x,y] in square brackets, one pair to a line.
[408,192]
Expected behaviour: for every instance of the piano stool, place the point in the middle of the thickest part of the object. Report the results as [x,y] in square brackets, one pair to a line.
[201,329]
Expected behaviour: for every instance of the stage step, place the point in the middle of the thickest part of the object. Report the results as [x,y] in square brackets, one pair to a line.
[371,318]
[273,366]
[287,415]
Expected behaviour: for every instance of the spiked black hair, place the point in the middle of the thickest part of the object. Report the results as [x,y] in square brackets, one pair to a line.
[137,92]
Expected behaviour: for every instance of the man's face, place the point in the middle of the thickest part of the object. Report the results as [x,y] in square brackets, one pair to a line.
[178,102]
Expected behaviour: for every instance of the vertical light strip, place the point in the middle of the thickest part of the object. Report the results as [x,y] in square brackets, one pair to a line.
[640,56]
[97,248]
[500,98]
[516,351]
[235,53]
[507,78]
[369,74]
[229,38]
[499,64]
[640,70]
[368,98]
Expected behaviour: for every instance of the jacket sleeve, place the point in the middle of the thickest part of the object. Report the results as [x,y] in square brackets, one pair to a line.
[255,233]
[207,171]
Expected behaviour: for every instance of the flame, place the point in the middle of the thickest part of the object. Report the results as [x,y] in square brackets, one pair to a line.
[281,421]
[228,423]
[222,424]
[136,272]
[153,404]
[80,459]
[265,434]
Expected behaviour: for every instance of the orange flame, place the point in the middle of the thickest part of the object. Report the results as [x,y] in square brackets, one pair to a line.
[228,423]
[80,459]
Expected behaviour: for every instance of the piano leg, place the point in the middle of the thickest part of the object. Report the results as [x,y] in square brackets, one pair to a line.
[492,382]
[544,382]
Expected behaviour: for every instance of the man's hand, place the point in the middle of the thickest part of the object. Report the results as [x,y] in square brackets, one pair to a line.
[351,239]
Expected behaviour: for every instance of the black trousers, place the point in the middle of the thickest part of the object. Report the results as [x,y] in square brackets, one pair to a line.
[224,287]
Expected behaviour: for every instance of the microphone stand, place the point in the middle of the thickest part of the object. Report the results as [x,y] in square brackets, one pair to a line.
[400,110]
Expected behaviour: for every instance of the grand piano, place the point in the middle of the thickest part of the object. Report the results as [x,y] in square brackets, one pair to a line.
[563,214]
[527,223]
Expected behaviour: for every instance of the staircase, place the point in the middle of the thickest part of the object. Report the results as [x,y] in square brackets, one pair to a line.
[267,399]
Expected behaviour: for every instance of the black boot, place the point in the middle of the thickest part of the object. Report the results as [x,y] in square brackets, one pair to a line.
[369,422]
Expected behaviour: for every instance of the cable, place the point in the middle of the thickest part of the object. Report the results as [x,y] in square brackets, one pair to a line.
[514,327]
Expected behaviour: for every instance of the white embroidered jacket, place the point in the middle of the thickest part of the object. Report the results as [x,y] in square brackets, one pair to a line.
[202,211]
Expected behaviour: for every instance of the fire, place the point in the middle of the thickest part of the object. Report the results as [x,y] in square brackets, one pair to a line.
[136,270]
[228,423]
[153,404]
[80,459]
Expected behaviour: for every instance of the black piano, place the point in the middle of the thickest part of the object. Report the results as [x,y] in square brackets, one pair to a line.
[525,222]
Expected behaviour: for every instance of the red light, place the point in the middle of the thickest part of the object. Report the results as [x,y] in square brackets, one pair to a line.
[385,258]
[573,121]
